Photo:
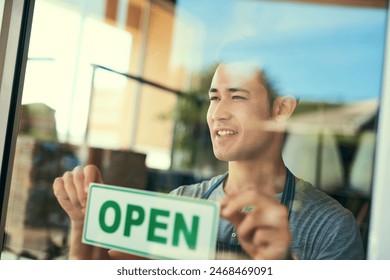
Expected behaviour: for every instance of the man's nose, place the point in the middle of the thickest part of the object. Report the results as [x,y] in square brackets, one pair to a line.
[221,111]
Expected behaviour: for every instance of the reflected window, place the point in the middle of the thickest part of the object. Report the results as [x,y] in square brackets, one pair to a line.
[123,85]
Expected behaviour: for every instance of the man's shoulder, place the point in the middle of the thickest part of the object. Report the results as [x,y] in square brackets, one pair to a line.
[323,228]
[197,189]
[308,193]
[316,202]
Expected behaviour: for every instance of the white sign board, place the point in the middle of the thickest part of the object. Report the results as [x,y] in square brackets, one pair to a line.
[150,224]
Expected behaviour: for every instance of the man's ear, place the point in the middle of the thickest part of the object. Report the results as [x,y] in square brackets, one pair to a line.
[283,107]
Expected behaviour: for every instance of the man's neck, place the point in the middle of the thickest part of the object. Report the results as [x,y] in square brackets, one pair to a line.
[268,177]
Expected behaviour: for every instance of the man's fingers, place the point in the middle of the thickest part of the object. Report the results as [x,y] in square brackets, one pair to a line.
[271,243]
[262,217]
[63,198]
[234,218]
[78,180]
[73,185]
[70,188]
[59,190]
[91,175]
[245,202]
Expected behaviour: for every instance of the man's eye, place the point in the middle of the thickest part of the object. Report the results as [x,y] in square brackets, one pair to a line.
[237,97]
[212,98]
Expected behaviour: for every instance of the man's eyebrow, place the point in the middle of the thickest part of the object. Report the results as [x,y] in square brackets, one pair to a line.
[238,89]
[231,90]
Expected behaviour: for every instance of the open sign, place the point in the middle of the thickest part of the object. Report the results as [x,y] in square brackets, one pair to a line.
[150,224]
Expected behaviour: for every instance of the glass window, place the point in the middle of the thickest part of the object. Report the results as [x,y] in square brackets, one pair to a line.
[123,85]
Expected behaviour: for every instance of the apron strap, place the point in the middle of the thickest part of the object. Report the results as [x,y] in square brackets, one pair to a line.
[207,194]
[288,191]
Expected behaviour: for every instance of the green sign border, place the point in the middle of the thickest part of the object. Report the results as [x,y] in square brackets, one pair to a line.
[93,186]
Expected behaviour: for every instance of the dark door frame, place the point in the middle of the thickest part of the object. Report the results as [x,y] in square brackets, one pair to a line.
[14,43]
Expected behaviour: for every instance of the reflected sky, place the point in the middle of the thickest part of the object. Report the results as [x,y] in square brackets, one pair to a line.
[317,52]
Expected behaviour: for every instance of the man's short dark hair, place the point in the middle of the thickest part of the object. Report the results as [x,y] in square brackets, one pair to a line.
[246,50]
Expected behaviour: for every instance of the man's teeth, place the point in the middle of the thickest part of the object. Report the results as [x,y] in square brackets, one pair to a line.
[225,132]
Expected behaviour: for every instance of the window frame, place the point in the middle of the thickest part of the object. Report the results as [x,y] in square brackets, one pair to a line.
[14,43]
[379,230]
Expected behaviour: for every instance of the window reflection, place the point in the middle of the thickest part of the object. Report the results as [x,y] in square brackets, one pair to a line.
[124,86]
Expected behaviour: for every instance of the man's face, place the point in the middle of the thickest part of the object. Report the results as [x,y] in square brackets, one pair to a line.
[238,112]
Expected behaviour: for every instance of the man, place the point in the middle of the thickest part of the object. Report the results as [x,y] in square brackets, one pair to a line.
[266,212]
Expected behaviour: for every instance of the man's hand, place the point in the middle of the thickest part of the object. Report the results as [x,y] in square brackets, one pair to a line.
[263,231]
[71,191]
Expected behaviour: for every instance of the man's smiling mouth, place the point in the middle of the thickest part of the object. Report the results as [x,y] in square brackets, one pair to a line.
[225,132]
